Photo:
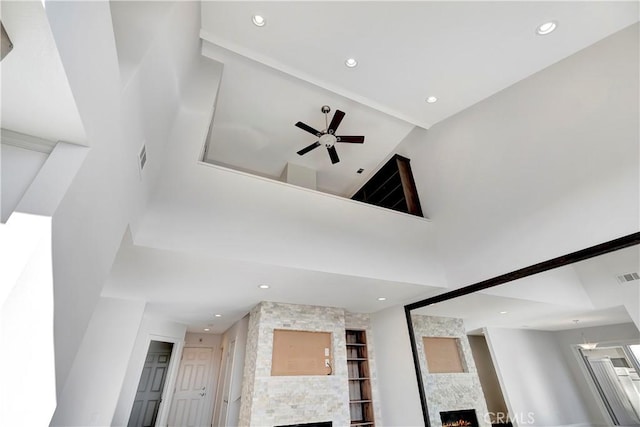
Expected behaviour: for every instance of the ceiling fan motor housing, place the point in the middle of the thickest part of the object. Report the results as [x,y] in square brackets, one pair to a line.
[327,137]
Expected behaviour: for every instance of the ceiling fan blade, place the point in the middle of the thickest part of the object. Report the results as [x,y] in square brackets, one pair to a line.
[335,122]
[333,154]
[309,129]
[308,148]
[351,138]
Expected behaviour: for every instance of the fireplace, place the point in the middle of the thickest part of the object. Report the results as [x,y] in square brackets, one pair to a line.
[322,424]
[463,418]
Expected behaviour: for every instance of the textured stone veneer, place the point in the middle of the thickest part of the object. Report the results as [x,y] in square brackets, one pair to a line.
[283,400]
[449,392]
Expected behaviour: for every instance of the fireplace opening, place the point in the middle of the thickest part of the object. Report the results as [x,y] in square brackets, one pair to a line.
[462,418]
[321,424]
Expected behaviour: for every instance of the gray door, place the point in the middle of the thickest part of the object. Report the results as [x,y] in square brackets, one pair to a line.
[149,394]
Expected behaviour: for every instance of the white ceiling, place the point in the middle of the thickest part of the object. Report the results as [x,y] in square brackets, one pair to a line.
[526,308]
[36,98]
[461,52]
[253,128]
[256,109]
[190,288]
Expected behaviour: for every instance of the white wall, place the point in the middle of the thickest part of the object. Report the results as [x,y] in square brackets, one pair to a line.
[107,194]
[193,339]
[543,168]
[535,378]
[488,377]
[156,329]
[397,383]
[90,394]
[26,290]
[92,217]
[18,168]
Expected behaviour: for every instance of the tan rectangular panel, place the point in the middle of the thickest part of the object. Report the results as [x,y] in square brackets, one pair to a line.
[443,355]
[301,353]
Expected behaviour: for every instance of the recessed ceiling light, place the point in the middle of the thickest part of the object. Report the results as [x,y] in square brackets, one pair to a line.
[503,312]
[546,28]
[207,329]
[218,315]
[264,286]
[382,299]
[431,99]
[258,21]
[351,63]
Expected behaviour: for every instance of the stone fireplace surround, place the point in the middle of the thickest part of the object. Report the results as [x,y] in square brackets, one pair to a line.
[299,400]
[449,391]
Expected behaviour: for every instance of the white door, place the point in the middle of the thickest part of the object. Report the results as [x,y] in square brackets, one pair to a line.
[226,385]
[191,399]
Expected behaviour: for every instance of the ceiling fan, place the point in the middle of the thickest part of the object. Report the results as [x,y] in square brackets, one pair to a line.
[328,136]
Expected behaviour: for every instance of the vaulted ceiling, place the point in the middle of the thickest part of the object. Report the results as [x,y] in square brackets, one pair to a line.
[588,291]
[460,52]
[272,77]
[36,98]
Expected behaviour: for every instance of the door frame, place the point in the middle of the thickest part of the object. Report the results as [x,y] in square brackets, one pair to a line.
[230,367]
[172,374]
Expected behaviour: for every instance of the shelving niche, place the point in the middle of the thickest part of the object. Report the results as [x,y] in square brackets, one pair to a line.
[360,402]
[392,187]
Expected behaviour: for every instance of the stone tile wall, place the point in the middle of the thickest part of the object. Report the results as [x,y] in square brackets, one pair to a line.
[281,400]
[455,391]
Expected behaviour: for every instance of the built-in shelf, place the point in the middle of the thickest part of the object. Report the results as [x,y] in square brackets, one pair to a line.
[360,404]
[392,187]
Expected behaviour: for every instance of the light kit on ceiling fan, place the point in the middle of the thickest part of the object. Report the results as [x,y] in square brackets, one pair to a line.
[327,137]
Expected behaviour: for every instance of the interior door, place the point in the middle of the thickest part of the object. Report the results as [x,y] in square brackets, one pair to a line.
[226,385]
[191,399]
[149,393]
[612,392]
